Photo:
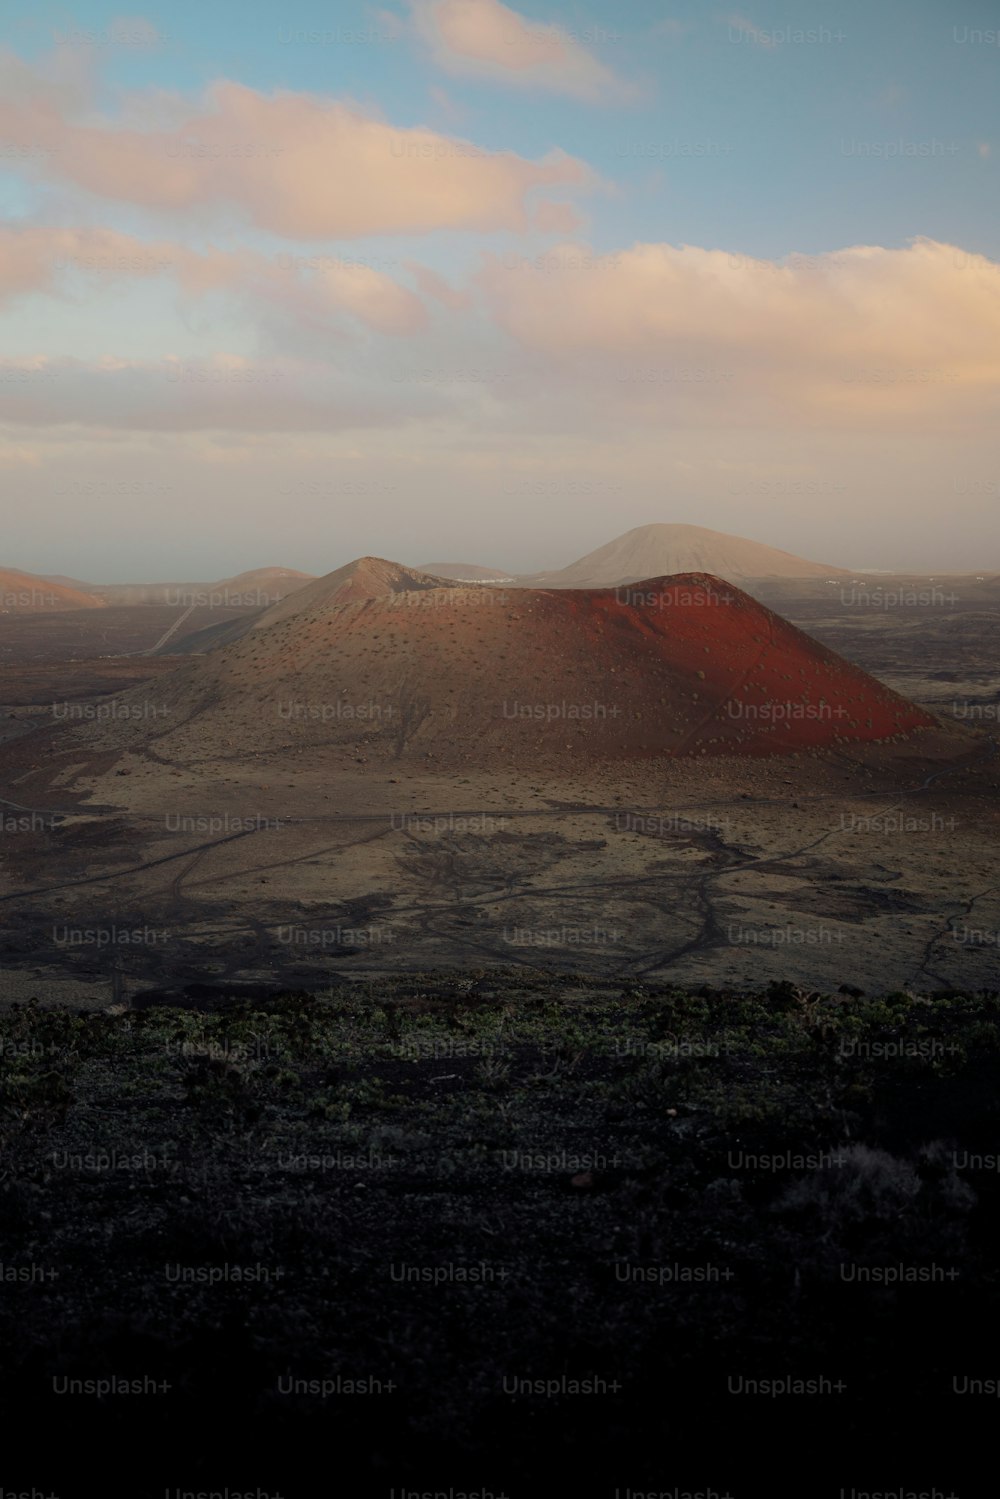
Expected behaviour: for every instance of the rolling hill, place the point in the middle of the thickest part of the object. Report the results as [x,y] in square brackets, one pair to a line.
[661,550]
[27,593]
[465,572]
[366,578]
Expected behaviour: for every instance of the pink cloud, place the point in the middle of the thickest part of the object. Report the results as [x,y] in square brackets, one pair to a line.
[863,336]
[483,38]
[314,290]
[557,218]
[299,165]
[221,393]
[433,285]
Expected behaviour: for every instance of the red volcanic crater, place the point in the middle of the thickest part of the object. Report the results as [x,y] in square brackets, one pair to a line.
[683,665]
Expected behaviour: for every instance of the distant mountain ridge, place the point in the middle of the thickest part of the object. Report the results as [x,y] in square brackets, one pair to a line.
[663,550]
[254,589]
[466,572]
[365,578]
[28,593]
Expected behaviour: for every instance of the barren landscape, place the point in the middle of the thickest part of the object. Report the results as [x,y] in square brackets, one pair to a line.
[272,814]
[526,1020]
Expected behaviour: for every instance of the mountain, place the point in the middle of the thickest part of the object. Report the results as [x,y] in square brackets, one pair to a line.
[255,589]
[662,550]
[365,578]
[269,584]
[27,593]
[383,664]
[64,582]
[465,572]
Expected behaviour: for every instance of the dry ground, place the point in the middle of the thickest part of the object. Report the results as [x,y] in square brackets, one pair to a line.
[875,867]
[716,872]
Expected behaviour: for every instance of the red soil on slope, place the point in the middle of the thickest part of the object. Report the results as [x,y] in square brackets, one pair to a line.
[685,665]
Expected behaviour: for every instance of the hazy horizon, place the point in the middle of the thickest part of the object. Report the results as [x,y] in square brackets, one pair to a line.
[318,567]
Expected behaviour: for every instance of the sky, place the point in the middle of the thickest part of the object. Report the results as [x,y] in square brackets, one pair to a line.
[446,280]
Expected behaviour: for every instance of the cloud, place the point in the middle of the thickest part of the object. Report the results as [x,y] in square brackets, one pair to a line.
[299,165]
[485,39]
[863,337]
[331,285]
[566,341]
[557,218]
[221,393]
[14,455]
[62,80]
[450,111]
[37,258]
[316,291]
[434,285]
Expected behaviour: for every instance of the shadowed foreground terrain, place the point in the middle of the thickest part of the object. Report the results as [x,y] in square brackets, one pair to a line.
[454,1230]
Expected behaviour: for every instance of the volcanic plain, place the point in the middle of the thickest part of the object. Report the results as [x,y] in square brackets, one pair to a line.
[417,775]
